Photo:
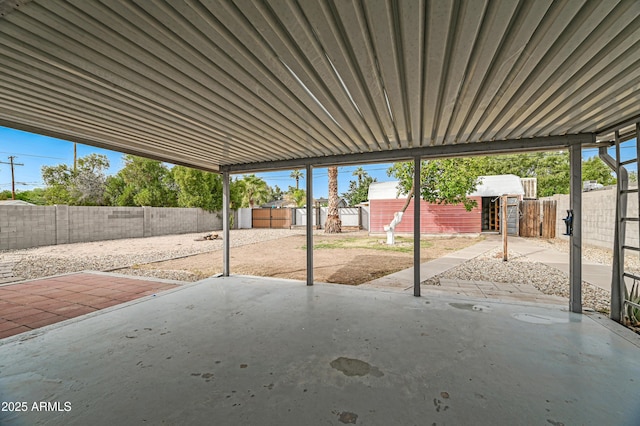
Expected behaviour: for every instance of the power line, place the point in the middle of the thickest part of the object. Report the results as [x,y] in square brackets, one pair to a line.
[31,155]
[21,183]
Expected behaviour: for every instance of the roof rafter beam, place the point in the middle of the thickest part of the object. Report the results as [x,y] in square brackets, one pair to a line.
[431,152]
[618,126]
[130,149]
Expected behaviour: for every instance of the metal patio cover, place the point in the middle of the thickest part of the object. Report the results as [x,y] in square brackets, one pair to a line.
[234,85]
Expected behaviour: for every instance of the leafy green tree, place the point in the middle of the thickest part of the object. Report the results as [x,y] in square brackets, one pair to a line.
[551,169]
[58,184]
[447,181]
[358,190]
[115,187]
[143,182]
[552,172]
[275,194]
[236,193]
[33,196]
[84,186]
[255,190]
[297,196]
[89,179]
[595,169]
[198,188]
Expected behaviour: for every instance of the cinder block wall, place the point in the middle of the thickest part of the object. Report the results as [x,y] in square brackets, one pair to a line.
[27,226]
[104,223]
[598,217]
[33,226]
[172,221]
[210,221]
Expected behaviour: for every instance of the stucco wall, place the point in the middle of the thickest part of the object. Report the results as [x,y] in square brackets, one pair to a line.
[349,216]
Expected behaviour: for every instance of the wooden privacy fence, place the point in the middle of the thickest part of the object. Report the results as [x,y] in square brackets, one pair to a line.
[538,218]
[271,218]
[549,219]
[289,217]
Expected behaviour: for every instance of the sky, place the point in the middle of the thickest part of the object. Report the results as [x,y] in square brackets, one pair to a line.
[35,151]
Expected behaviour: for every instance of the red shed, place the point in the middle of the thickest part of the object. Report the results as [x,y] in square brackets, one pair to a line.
[438,218]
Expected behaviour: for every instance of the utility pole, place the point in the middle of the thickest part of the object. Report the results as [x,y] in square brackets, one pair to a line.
[75,157]
[13,180]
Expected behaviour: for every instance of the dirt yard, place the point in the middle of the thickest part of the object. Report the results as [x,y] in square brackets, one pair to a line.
[351,258]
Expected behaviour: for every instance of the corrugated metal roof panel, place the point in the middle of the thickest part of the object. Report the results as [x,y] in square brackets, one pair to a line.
[493,186]
[383,190]
[488,186]
[215,83]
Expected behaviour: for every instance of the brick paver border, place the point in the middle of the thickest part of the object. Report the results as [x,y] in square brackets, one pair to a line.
[33,304]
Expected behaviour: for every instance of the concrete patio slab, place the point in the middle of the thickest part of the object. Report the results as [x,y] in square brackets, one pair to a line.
[255,351]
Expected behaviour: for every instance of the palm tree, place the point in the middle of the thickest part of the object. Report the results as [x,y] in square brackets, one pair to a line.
[333,224]
[296,174]
[297,196]
[255,190]
[360,172]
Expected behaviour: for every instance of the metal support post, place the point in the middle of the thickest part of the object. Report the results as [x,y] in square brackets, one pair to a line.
[638,163]
[225,224]
[310,224]
[617,278]
[575,250]
[416,226]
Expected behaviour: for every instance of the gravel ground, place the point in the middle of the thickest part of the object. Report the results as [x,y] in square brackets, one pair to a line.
[122,254]
[519,269]
[115,254]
